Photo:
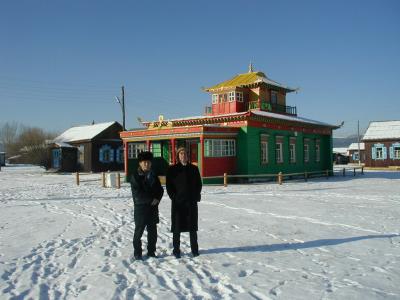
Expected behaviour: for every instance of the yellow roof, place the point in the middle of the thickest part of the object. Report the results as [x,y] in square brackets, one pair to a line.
[246,79]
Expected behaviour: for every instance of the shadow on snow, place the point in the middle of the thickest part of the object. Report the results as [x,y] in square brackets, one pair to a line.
[296,246]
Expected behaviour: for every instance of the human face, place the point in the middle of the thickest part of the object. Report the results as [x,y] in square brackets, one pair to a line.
[183,157]
[145,165]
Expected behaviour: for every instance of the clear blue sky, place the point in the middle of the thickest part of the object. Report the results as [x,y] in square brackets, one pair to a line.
[62,62]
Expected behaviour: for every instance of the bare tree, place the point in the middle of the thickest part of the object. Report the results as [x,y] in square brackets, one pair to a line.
[28,142]
[32,143]
[9,136]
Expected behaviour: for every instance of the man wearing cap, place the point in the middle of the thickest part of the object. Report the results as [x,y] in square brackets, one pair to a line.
[146,193]
[184,185]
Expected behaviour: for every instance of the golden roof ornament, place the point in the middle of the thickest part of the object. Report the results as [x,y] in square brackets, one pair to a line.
[251,70]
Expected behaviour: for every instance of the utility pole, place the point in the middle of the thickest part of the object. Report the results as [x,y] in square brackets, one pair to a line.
[122,103]
[123,110]
[358,137]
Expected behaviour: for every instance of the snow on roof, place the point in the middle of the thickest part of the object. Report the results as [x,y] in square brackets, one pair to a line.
[289,118]
[340,150]
[382,130]
[208,117]
[81,133]
[354,146]
[64,145]
[259,113]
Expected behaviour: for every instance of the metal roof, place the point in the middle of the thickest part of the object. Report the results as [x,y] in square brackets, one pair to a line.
[82,133]
[379,130]
[246,79]
[354,146]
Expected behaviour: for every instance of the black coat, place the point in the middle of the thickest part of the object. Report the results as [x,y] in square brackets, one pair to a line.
[184,188]
[145,188]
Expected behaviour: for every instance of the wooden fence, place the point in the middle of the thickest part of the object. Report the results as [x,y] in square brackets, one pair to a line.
[280,176]
[102,179]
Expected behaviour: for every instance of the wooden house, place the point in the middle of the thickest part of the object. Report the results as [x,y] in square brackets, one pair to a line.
[382,144]
[2,155]
[354,153]
[89,148]
[340,155]
[248,129]
[64,157]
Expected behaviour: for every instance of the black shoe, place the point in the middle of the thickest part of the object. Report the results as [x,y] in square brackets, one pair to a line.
[152,254]
[138,257]
[177,254]
[195,254]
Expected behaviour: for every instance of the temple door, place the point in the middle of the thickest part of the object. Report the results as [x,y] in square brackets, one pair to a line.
[193,153]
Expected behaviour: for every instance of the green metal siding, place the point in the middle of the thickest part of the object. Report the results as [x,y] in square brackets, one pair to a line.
[249,153]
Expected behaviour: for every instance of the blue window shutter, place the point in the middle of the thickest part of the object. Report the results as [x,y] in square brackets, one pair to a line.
[101,155]
[117,155]
[391,152]
[384,153]
[111,155]
[373,152]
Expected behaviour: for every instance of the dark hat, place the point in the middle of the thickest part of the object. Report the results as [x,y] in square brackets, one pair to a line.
[180,149]
[145,155]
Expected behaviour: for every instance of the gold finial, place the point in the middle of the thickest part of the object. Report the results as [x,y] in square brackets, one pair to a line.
[251,67]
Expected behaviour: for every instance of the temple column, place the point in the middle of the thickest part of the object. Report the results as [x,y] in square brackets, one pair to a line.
[202,155]
[173,152]
[126,158]
[148,145]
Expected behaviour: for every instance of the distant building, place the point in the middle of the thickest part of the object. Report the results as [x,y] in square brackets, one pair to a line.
[248,129]
[340,155]
[89,148]
[382,144]
[2,158]
[353,153]
[2,155]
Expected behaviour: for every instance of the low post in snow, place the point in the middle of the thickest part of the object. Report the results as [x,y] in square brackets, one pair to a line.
[344,172]
[118,178]
[225,179]
[354,172]
[362,170]
[280,178]
[305,176]
[103,179]
[77,178]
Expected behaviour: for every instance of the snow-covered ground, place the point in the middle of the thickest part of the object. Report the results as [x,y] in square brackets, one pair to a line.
[321,239]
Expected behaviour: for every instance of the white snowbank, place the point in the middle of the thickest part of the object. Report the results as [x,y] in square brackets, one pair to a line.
[321,239]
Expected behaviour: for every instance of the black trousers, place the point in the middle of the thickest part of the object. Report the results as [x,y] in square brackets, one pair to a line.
[176,241]
[151,238]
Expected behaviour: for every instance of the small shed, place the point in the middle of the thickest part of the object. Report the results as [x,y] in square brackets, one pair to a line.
[2,155]
[98,147]
[2,158]
[382,144]
[63,157]
[340,155]
[353,153]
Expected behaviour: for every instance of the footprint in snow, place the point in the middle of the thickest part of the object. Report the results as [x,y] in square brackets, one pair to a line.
[245,273]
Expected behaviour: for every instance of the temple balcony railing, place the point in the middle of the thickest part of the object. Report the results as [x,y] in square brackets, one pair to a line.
[208,110]
[272,107]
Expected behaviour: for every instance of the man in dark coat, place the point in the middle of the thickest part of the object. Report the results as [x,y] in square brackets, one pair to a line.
[184,188]
[146,193]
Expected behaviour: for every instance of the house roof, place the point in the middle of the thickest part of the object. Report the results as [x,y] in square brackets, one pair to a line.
[340,150]
[379,130]
[354,146]
[246,79]
[64,145]
[290,118]
[82,133]
[211,119]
